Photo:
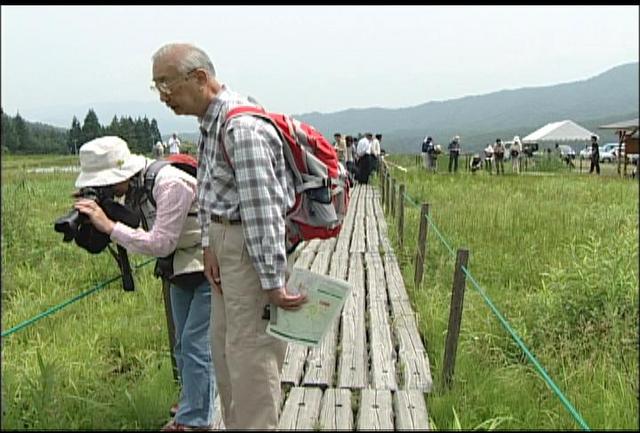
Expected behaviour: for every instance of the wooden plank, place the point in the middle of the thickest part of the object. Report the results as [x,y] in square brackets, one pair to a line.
[352,362]
[301,410]
[376,283]
[344,238]
[381,348]
[335,410]
[395,282]
[376,412]
[293,366]
[357,238]
[321,360]
[385,244]
[410,410]
[371,225]
[413,361]
[217,423]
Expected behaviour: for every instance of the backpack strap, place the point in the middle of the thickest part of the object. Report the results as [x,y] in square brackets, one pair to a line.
[259,112]
[149,178]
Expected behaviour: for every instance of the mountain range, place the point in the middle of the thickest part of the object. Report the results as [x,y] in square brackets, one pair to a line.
[479,119]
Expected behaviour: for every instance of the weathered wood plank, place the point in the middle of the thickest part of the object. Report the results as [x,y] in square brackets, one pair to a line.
[358,236]
[381,348]
[301,410]
[352,362]
[218,423]
[371,225]
[293,365]
[410,410]
[395,282]
[385,244]
[413,361]
[344,238]
[376,283]
[376,412]
[335,410]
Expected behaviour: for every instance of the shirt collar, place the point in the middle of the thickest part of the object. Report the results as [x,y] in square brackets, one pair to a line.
[213,111]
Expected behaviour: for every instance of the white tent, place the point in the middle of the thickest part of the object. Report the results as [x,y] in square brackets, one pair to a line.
[565,130]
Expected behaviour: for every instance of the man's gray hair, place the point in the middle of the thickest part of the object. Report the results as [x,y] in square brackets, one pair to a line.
[190,58]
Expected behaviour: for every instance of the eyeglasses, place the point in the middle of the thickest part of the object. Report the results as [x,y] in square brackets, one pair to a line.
[165,86]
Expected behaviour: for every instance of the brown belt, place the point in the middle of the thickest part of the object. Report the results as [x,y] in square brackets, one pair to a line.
[223,220]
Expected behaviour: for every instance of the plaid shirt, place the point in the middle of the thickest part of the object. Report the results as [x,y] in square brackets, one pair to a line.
[255,188]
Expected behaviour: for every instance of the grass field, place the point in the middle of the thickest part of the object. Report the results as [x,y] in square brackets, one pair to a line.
[557,254]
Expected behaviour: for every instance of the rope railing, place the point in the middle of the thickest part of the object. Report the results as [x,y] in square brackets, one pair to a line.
[66,303]
[505,324]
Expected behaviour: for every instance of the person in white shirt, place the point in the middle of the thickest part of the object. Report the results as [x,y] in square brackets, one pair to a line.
[174,144]
[158,150]
[375,151]
[514,152]
[364,158]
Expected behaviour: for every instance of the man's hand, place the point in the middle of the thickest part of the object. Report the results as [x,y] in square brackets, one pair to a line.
[96,215]
[286,301]
[211,269]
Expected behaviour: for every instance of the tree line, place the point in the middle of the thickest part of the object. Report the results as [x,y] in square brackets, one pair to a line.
[22,137]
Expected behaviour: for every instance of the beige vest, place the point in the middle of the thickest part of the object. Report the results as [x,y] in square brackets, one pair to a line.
[188,255]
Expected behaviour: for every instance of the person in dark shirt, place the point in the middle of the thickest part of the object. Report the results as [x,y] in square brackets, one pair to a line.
[595,155]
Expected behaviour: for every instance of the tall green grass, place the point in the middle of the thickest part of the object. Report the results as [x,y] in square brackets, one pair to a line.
[100,363]
[558,256]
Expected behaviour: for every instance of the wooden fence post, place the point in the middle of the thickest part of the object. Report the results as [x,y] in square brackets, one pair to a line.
[455,317]
[383,173]
[422,244]
[166,294]
[401,216]
[393,198]
[388,196]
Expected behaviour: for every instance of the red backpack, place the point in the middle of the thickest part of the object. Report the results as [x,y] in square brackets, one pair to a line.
[321,182]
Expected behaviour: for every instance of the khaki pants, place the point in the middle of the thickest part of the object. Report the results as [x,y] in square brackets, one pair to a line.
[247,360]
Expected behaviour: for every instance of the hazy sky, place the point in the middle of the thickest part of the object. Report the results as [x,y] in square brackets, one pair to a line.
[298,59]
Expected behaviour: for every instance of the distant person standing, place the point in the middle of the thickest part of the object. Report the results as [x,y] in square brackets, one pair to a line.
[488,157]
[454,153]
[376,150]
[340,145]
[595,155]
[429,154]
[158,150]
[364,158]
[174,144]
[498,155]
[514,152]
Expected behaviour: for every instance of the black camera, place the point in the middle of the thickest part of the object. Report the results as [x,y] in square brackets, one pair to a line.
[77,226]
[71,223]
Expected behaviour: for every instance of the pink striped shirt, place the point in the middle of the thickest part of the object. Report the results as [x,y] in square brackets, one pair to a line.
[174,197]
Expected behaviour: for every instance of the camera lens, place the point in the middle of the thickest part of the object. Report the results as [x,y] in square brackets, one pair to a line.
[68,224]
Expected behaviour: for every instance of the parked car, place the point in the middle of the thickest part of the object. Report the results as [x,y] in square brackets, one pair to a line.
[586,152]
[608,153]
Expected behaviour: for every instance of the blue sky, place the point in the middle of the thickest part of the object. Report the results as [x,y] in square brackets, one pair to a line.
[299,59]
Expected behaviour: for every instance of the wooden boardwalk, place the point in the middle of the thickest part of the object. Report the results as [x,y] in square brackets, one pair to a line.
[371,370]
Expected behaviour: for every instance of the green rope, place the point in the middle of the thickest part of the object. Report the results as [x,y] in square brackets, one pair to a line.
[64,304]
[531,357]
[442,239]
[408,197]
[510,330]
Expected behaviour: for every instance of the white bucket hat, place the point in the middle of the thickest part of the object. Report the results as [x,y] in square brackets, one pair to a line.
[107,161]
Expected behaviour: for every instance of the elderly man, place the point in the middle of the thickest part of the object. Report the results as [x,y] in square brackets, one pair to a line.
[243,203]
